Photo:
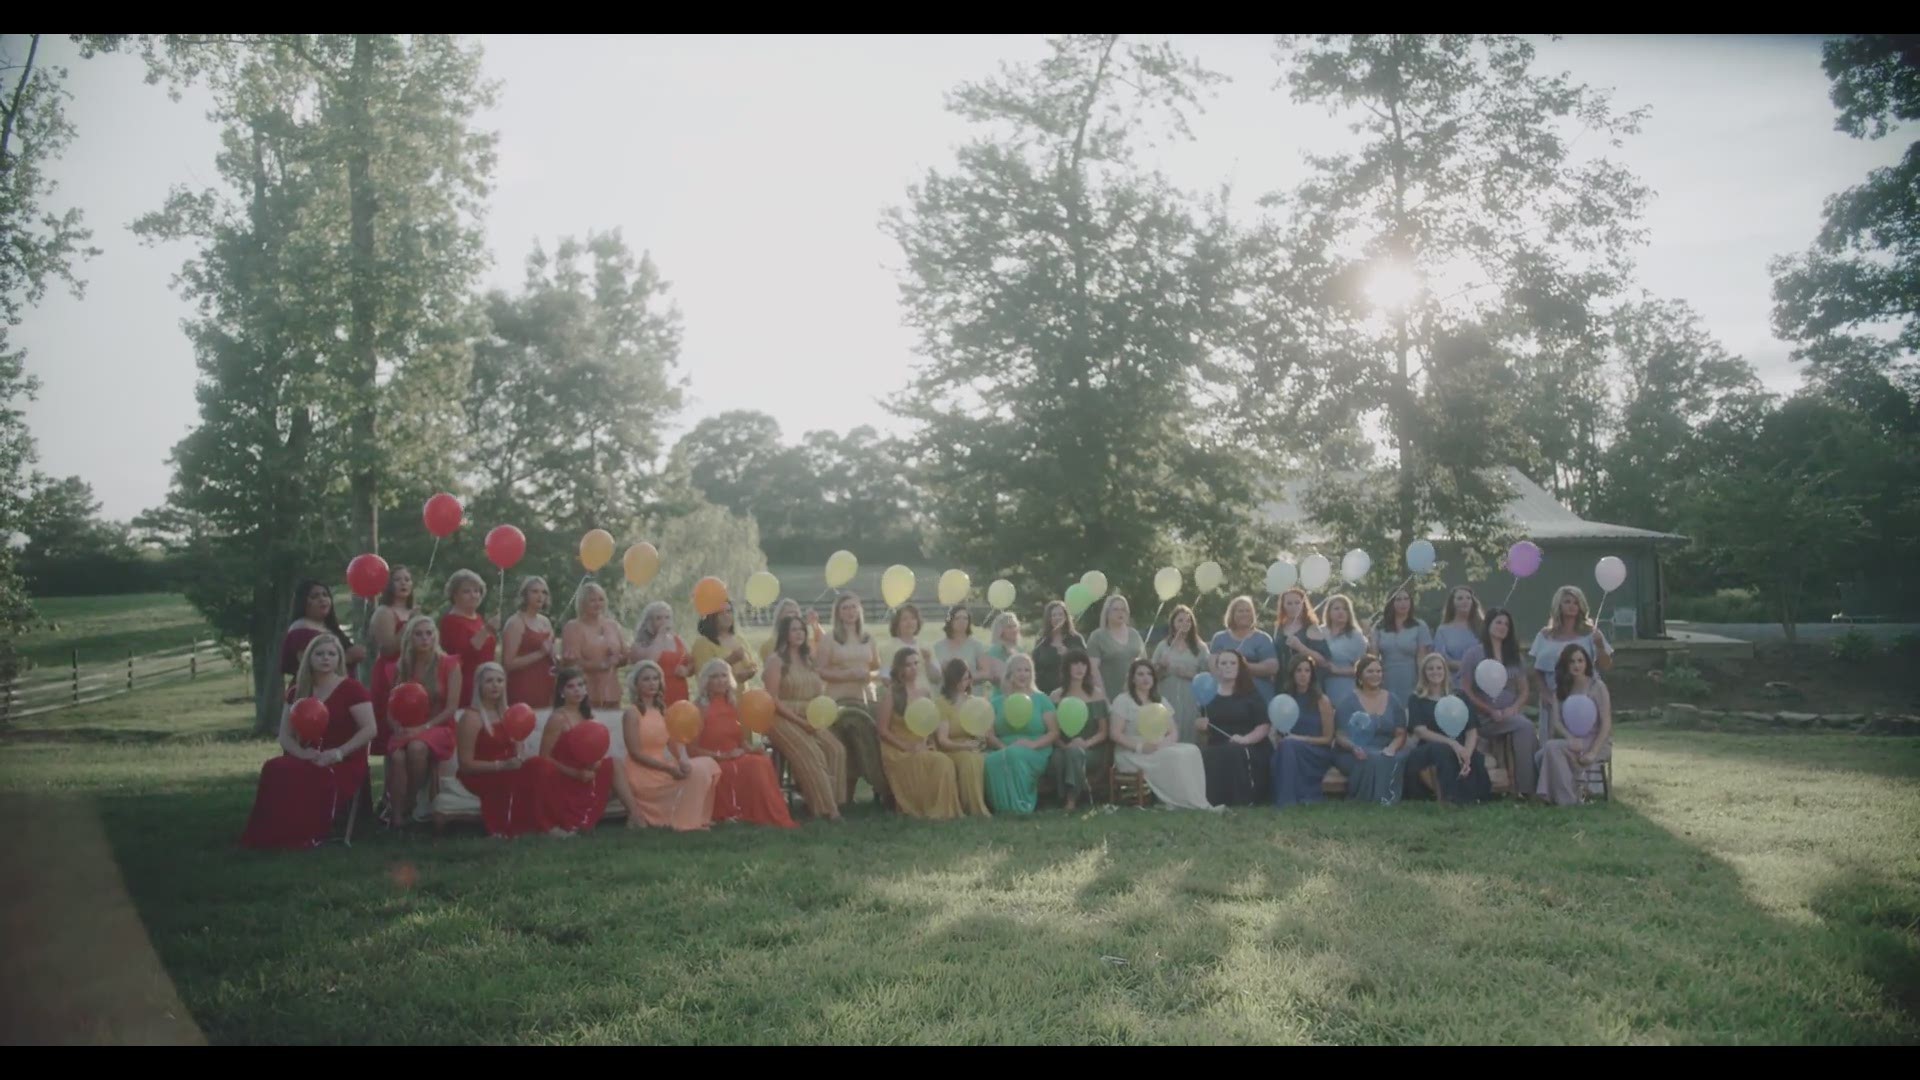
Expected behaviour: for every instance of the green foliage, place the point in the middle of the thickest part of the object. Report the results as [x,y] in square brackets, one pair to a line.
[1723,606]
[1905,646]
[1683,680]
[1854,647]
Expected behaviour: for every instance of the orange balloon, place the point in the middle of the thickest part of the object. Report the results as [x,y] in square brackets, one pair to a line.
[756,711]
[683,721]
[709,596]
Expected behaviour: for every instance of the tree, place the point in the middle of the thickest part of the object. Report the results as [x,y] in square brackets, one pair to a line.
[1071,308]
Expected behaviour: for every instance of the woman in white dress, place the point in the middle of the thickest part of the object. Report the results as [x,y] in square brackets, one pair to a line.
[1173,769]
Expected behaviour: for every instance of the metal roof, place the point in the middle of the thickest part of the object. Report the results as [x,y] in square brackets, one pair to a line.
[1534,511]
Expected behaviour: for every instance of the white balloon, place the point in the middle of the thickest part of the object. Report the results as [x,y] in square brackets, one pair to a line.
[1284,712]
[1355,564]
[1208,576]
[1451,713]
[1490,676]
[1420,556]
[1610,573]
[1579,714]
[1281,576]
[1315,571]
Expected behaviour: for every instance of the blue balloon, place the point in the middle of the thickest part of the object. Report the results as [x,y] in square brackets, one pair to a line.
[1205,688]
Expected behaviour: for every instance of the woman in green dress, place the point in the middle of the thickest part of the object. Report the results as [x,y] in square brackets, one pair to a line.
[1003,644]
[1114,646]
[1020,754]
[1057,638]
[1087,753]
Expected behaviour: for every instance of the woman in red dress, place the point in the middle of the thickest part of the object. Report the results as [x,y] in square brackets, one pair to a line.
[303,790]
[748,789]
[527,648]
[490,762]
[465,632]
[573,775]
[654,639]
[388,629]
[313,615]
[413,752]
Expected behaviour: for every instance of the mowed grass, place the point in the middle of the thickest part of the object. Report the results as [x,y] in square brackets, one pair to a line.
[105,628]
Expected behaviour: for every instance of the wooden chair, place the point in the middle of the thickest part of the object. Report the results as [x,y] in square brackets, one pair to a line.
[361,805]
[1127,786]
[1601,771]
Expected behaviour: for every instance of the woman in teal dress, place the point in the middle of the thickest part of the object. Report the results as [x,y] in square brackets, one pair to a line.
[1003,644]
[1020,754]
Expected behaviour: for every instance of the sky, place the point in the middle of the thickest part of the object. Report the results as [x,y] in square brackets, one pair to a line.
[755,171]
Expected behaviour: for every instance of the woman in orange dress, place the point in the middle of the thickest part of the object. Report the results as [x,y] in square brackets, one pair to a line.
[654,639]
[414,752]
[466,631]
[526,645]
[748,789]
[573,774]
[593,643]
[490,762]
[664,785]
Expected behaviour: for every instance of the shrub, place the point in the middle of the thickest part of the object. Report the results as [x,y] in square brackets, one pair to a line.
[1853,647]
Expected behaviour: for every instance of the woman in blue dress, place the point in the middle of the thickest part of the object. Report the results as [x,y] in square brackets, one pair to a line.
[1302,757]
[1373,731]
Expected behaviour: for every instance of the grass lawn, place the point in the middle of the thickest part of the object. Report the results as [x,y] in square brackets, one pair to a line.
[104,628]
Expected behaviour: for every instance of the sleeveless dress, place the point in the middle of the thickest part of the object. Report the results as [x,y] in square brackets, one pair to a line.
[683,804]
[969,766]
[818,766]
[1176,687]
[924,782]
[439,739]
[456,637]
[747,788]
[506,798]
[560,801]
[533,684]
[855,726]
[583,645]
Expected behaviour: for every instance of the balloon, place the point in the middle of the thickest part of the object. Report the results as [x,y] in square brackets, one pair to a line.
[367,576]
[1154,721]
[1079,599]
[1491,677]
[407,705]
[1359,725]
[1019,710]
[596,549]
[976,716]
[1096,583]
[1355,564]
[922,717]
[822,712]
[954,587]
[519,722]
[310,720]
[709,596]
[1283,712]
[896,585]
[1314,572]
[1523,559]
[762,589]
[506,545]
[1451,712]
[443,515]
[1281,576]
[1610,573]
[1073,717]
[641,562]
[1166,583]
[756,711]
[683,721]
[841,566]
[1419,557]
[1205,689]
[1208,576]
[1579,714]
[594,742]
[1000,594]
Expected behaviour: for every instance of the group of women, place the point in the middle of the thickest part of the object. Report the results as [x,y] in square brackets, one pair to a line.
[1365,698]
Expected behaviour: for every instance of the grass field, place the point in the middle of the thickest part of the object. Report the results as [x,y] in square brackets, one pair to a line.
[1739,889]
[106,627]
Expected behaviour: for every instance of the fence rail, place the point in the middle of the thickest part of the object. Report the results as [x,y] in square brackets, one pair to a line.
[44,690]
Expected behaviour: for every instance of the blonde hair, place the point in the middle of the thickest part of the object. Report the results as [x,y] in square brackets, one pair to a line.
[462,577]
[642,637]
[1002,620]
[404,672]
[591,586]
[1106,609]
[859,619]
[633,683]
[708,670]
[1353,623]
[1253,613]
[303,680]
[480,673]
[1018,660]
[1583,623]
[520,598]
[1420,678]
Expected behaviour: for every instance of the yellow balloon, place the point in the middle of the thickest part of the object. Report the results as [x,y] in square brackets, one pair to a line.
[896,585]
[976,716]
[841,566]
[822,712]
[596,549]
[1000,594]
[1096,583]
[1154,721]
[762,589]
[1019,710]
[954,586]
[1208,576]
[1166,583]
[922,717]
[641,563]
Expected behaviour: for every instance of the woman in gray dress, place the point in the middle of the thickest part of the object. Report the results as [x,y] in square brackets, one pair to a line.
[1176,661]
[1502,718]
[1346,644]
[1372,734]
[1459,628]
[1402,641]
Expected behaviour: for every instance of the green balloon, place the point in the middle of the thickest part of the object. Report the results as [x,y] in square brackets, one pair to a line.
[1018,710]
[1073,717]
[1079,598]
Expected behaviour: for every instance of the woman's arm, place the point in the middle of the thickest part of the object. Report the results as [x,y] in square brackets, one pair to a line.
[556,727]
[510,644]
[883,715]
[630,727]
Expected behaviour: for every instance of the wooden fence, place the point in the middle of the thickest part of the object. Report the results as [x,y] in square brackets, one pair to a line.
[50,689]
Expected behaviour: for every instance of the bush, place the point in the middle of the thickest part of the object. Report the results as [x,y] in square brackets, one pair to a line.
[1724,606]
[1853,647]
[1907,645]
[1682,680]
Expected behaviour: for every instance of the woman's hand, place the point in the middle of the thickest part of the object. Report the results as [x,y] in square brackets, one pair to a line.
[356,654]
[1359,754]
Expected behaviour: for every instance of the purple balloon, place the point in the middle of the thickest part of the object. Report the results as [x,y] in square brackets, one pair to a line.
[1578,713]
[1523,559]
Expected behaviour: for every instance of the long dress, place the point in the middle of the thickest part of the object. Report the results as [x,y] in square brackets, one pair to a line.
[1002,652]
[1546,651]
[748,788]
[1236,775]
[674,685]
[294,646]
[1300,767]
[683,803]
[707,650]
[1013,772]
[1313,645]
[1400,654]
[1048,658]
[1452,641]
[386,667]
[440,739]
[533,684]
[924,783]
[970,650]
[296,802]
[1174,771]
[560,801]
[1560,779]
[1477,787]
[1345,651]
[928,676]
[1377,779]
[584,646]
[1256,647]
[1074,768]
[1515,735]
[855,726]
[508,805]
[456,636]
[1176,687]
[1113,656]
[969,766]
[818,766]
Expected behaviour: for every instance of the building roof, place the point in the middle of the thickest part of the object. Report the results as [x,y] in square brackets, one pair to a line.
[1535,513]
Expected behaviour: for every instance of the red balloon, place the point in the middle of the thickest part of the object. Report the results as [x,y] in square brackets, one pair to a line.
[505,546]
[310,720]
[592,744]
[518,723]
[367,576]
[407,705]
[443,515]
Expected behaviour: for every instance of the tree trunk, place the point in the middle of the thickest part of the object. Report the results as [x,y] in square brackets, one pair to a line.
[363,427]
[268,630]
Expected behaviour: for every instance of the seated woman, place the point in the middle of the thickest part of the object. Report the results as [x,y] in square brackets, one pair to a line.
[1173,769]
[573,774]
[1373,730]
[1302,756]
[815,758]
[969,762]
[904,631]
[1501,719]
[1237,758]
[415,752]
[490,762]
[1020,753]
[747,788]
[1442,766]
[717,638]
[306,787]
[923,780]
[1078,758]
[1567,756]
[664,785]
[847,660]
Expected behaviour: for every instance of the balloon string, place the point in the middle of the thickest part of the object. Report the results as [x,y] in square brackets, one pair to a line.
[430,557]
[1604,593]
[1510,590]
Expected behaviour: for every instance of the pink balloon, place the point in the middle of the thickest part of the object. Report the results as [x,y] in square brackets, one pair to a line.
[1579,714]
[1523,559]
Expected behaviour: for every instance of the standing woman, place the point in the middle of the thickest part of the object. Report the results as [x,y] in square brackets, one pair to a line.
[593,644]
[570,785]
[490,762]
[905,630]
[1569,623]
[527,644]
[1346,644]
[849,660]
[1566,756]
[816,759]
[654,639]
[1402,642]
[1297,626]
[747,789]
[969,762]
[665,786]
[1460,625]
[784,608]
[1077,758]
[923,780]
[465,632]
[305,788]
[1019,755]
[958,643]
[1302,756]
[388,628]
[1372,732]
[1057,638]
[1171,767]
[1254,646]
[1441,766]
[414,753]
[1175,663]
[1003,645]
[717,639]
[1237,759]
[1502,720]
[1114,647]
[313,615]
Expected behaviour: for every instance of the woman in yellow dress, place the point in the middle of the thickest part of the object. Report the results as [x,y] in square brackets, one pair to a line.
[848,662]
[969,759]
[717,640]
[814,756]
[922,778]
